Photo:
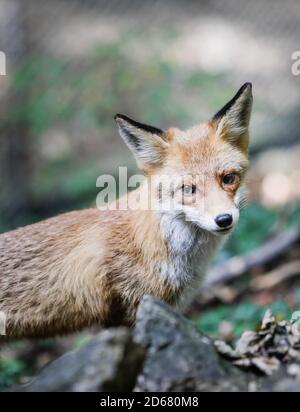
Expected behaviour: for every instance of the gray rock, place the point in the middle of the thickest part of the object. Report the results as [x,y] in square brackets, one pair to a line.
[282,380]
[109,362]
[179,358]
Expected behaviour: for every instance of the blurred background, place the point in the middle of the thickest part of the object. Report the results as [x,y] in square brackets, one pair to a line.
[71,65]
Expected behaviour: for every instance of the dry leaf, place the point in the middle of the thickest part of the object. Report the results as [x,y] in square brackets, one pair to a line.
[275,343]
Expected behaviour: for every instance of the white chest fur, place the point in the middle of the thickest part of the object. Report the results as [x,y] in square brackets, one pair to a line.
[191,249]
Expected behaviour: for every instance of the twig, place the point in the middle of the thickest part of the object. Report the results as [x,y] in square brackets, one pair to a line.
[238,266]
[276,276]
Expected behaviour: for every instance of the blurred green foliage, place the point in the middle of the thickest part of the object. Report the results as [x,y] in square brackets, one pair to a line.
[243,316]
[10,371]
[93,90]
[256,224]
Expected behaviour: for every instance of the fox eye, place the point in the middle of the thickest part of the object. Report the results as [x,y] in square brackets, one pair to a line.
[229,178]
[188,189]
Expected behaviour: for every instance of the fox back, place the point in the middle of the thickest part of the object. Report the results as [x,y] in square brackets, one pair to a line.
[94,266]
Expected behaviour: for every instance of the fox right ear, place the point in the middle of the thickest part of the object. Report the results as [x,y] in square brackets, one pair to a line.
[232,120]
[147,143]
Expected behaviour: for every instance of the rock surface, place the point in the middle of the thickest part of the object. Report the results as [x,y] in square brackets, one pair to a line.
[179,358]
[164,352]
[109,362]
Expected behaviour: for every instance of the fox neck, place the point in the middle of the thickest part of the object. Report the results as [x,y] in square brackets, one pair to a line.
[190,249]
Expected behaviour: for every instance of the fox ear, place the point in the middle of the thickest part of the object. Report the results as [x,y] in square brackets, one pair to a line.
[147,143]
[232,120]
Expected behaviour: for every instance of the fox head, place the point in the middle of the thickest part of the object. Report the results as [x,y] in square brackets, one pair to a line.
[198,173]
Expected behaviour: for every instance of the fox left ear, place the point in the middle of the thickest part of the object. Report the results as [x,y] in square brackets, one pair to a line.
[232,121]
[147,143]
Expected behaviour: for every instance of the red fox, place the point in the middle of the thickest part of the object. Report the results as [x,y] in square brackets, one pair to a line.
[93,266]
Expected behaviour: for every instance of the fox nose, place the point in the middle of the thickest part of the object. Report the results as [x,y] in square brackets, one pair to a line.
[224,220]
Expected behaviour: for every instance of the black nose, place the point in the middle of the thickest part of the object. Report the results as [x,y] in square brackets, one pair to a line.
[224,220]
